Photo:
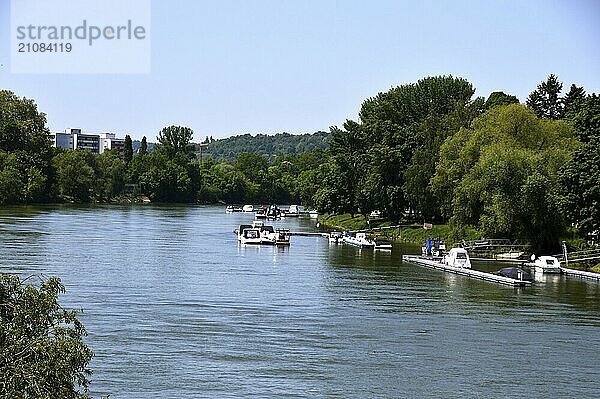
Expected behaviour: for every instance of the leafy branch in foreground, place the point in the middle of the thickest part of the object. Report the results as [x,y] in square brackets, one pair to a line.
[42,354]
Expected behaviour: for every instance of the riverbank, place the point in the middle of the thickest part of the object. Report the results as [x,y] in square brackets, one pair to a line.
[409,232]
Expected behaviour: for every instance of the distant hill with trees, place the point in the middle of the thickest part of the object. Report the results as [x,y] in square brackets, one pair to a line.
[280,144]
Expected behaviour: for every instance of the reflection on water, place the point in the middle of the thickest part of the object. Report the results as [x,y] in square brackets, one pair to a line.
[176,308]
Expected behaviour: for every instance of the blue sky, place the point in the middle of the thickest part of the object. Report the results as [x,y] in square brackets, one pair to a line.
[233,67]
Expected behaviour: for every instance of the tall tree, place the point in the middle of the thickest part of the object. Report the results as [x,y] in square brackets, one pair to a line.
[143,146]
[42,353]
[176,139]
[573,101]
[128,149]
[580,177]
[500,98]
[501,175]
[545,101]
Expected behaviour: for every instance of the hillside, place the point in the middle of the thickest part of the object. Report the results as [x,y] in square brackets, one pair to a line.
[229,148]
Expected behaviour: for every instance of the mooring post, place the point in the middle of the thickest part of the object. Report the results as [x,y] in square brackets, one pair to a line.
[564,247]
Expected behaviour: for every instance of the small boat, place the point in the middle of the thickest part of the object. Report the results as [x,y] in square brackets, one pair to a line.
[261,213]
[313,214]
[335,237]
[292,212]
[458,257]
[282,237]
[273,212]
[515,273]
[359,240]
[545,264]
[248,234]
[382,244]
[232,209]
[248,208]
[271,236]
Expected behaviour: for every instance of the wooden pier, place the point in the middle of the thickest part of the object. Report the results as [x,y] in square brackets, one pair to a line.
[476,274]
[580,273]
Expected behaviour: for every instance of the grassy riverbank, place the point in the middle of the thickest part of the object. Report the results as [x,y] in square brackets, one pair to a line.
[409,232]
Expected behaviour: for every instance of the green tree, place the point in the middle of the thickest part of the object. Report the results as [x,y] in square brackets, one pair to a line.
[110,176]
[128,149]
[499,98]
[545,101]
[501,175]
[573,101]
[580,177]
[176,139]
[143,146]
[42,353]
[75,175]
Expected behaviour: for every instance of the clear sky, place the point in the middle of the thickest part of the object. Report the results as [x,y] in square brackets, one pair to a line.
[232,67]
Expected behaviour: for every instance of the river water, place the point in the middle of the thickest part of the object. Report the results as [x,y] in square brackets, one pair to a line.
[176,308]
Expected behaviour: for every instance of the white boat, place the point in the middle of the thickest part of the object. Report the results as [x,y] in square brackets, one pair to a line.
[248,208]
[313,214]
[248,234]
[545,264]
[271,236]
[273,212]
[359,240]
[232,209]
[458,257]
[335,237]
[293,211]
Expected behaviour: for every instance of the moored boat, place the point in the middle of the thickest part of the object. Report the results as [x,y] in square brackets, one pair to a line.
[359,240]
[335,237]
[545,264]
[248,208]
[293,211]
[382,244]
[232,209]
[248,234]
[458,257]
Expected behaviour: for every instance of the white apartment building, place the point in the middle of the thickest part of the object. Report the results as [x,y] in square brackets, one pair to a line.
[73,139]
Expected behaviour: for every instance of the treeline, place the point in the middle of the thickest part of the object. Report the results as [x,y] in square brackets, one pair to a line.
[427,151]
[431,151]
[271,146]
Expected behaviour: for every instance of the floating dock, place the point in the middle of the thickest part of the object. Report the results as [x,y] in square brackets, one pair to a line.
[580,274]
[476,274]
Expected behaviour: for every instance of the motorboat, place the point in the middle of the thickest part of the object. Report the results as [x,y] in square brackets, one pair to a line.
[515,273]
[282,237]
[293,211]
[545,264]
[359,240]
[458,257]
[248,208]
[261,213]
[313,214]
[434,247]
[271,236]
[273,212]
[247,234]
[232,209]
[335,237]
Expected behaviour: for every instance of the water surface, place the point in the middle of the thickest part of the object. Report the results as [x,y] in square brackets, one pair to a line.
[176,308]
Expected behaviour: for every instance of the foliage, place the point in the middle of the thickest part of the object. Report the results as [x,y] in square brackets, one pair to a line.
[272,146]
[176,139]
[42,354]
[580,177]
[499,98]
[545,101]
[501,175]
[128,149]
[75,175]
[143,146]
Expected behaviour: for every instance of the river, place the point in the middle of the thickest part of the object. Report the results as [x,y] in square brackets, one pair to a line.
[175,308]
